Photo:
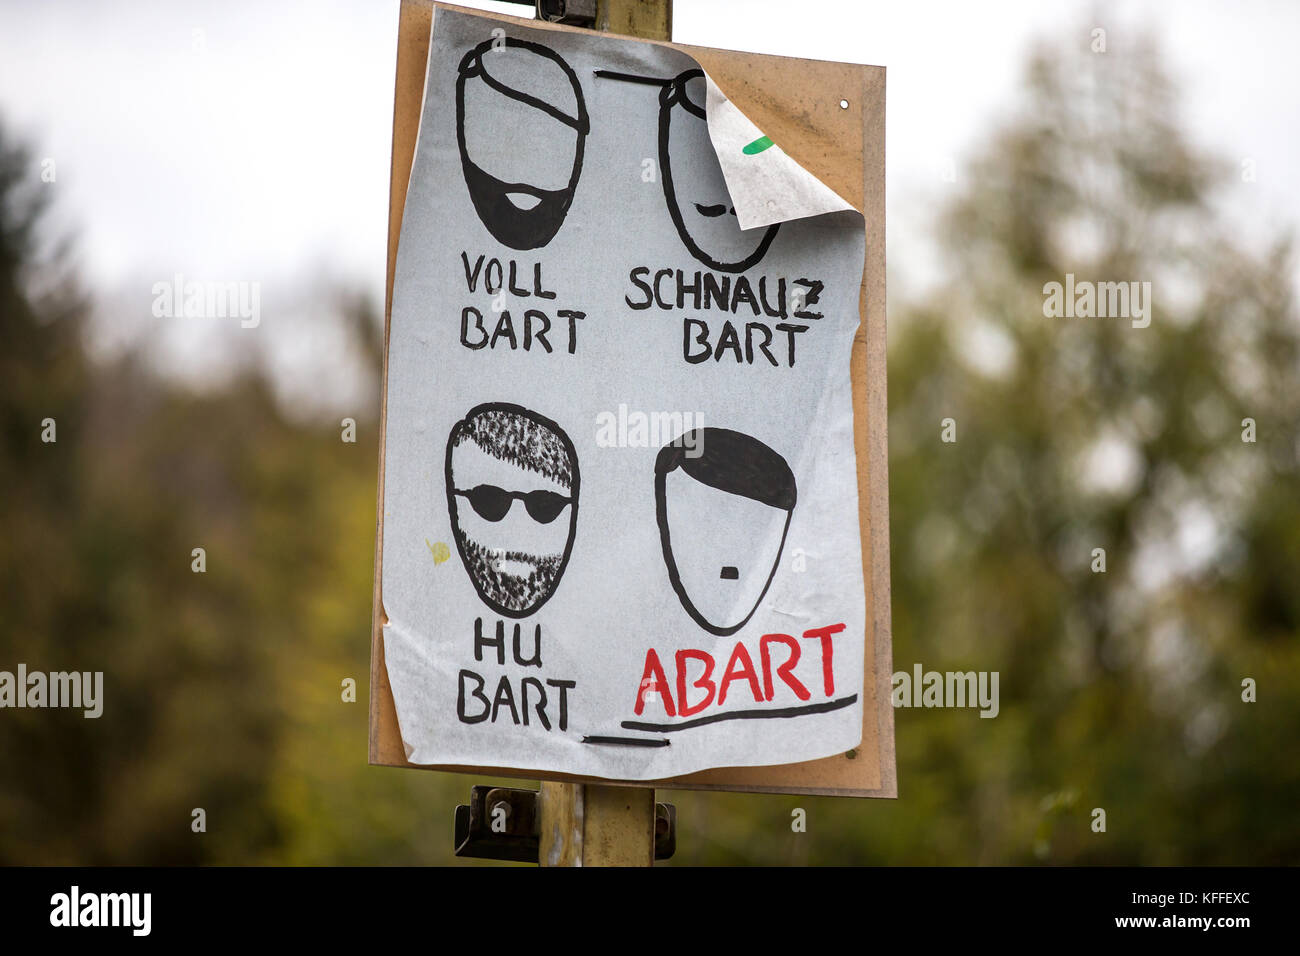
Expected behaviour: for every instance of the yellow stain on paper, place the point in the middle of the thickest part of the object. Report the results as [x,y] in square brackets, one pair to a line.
[440,551]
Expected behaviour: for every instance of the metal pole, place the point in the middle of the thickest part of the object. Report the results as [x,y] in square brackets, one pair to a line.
[651,19]
[592,824]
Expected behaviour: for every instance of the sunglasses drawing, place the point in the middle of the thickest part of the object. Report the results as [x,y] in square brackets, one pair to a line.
[493,503]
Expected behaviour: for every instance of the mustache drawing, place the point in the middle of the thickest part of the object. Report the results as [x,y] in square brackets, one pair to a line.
[717,242]
[736,464]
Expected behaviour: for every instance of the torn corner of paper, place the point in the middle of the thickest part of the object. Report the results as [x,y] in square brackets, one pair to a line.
[767,185]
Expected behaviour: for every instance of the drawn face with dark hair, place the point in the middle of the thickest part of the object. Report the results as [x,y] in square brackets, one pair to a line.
[694,188]
[512,492]
[521,123]
[723,517]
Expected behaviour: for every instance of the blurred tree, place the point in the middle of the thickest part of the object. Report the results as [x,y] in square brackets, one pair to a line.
[223,690]
[99,528]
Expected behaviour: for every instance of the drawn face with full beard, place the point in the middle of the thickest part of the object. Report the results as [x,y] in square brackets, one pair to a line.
[512,493]
[521,124]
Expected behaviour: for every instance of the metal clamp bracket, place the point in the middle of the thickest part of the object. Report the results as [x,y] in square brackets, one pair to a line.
[501,824]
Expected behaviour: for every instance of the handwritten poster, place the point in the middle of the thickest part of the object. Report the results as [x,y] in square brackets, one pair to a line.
[621,531]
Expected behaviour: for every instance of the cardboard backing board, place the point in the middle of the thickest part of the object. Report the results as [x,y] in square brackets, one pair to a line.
[830,117]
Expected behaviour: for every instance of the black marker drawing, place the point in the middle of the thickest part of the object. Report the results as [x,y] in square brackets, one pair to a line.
[510,474]
[525,113]
[763,713]
[627,741]
[718,514]
[707,224]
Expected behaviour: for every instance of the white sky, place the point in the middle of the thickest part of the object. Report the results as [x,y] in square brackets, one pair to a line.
[249,139]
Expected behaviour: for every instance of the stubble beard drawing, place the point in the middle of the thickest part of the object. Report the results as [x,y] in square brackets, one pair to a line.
[527,448]
[509,591]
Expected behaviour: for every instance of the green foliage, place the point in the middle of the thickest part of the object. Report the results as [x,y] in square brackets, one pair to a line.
[1119,690]
[1122,689]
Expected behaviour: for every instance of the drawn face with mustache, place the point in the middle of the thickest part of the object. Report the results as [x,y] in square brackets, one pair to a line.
[521,123]
[723,517]
[694,187]
[512,493]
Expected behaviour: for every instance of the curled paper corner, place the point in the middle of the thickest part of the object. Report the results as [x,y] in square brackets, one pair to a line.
[767,186]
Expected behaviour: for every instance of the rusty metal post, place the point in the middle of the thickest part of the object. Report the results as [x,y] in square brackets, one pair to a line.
[592,824]
[651,19]
[595,825]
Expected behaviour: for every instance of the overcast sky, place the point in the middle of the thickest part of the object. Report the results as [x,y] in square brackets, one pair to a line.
[249,139]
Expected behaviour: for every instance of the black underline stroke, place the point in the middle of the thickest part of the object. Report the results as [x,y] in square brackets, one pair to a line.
[799,711]
[631,78]
[626,741]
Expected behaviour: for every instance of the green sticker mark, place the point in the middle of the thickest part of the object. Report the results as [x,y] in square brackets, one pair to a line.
[758,145]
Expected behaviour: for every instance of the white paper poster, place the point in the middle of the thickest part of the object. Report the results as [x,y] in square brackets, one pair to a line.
[621,531]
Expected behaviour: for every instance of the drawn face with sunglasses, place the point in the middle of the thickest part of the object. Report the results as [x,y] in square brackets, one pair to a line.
[512,492]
